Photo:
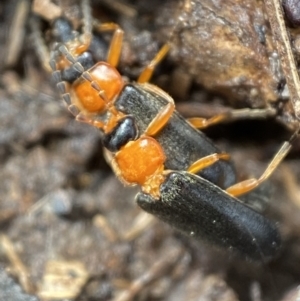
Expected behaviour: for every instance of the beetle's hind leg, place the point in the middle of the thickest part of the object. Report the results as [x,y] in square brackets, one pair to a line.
[250,184]
[201,123]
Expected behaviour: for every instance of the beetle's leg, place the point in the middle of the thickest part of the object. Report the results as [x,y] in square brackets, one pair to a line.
[160,119]
[201,123]
[81,117]
[207,161]
[250,184]
[116,42]
[148,71]
[115,46]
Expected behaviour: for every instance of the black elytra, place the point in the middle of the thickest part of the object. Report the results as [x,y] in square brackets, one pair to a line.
[204,211]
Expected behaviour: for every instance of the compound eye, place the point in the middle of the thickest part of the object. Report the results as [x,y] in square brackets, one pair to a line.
[109,81]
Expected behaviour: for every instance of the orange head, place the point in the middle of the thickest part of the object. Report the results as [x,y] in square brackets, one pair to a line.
[93,100]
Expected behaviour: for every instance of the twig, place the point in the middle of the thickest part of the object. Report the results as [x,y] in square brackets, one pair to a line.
[18,266]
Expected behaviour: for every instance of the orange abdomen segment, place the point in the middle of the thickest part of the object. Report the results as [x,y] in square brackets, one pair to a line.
[109,81]
[140,159]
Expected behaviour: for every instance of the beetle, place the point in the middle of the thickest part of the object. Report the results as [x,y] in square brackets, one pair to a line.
[198,204]
[185,180]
